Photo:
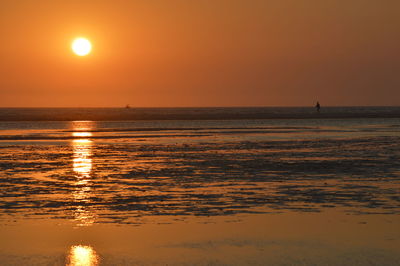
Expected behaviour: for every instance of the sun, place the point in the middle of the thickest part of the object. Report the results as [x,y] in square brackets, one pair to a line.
[81,46]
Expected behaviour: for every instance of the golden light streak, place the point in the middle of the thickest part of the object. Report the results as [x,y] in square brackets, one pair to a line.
[82,166]
[82,161]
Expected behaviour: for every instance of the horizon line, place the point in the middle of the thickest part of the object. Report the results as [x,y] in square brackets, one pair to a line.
[183,107]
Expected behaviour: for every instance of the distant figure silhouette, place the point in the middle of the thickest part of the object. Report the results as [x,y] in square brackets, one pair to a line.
[127,106]
[318,107]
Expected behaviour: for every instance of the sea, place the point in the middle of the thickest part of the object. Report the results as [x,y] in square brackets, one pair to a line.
[200,186]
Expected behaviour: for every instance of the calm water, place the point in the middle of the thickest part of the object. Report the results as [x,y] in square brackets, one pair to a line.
[244,184]
[206,113]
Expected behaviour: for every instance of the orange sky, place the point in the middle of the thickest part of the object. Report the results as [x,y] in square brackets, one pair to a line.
[200,53]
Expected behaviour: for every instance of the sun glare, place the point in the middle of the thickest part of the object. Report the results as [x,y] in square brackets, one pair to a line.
[83,256]
[81,46]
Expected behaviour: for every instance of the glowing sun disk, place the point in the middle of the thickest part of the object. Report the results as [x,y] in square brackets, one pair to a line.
[81,46]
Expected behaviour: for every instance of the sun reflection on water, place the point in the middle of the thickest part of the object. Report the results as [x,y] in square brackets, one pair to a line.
[82,256]
[82,166]
[82,134]
[82,161]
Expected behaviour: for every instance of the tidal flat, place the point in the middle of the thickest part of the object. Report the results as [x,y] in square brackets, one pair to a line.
[209,192]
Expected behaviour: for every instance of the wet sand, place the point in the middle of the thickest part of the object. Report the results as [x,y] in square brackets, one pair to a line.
[290,238]
[200,193]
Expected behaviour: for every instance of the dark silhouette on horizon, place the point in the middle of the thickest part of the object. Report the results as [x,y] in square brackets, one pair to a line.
[318,107]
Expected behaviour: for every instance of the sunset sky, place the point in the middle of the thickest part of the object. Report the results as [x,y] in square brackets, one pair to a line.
[200,53]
